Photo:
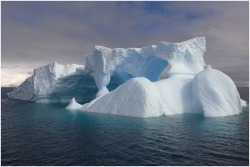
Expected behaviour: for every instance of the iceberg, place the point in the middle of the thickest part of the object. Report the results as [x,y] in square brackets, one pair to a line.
[121,64]
[106,69]
[210,93]
[73,105]
[138,97]
[127,82]
[45,84]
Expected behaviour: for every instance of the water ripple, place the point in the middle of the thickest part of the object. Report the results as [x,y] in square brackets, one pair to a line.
[39,134]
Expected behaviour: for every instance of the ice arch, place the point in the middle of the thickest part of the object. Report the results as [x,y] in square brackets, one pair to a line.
[121,64]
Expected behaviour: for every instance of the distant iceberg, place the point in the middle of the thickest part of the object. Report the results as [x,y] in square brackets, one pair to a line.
[126,82]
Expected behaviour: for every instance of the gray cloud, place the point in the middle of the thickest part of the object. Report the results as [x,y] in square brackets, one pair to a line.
[37,33]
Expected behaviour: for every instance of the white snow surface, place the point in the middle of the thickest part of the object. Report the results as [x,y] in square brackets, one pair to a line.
[43,81]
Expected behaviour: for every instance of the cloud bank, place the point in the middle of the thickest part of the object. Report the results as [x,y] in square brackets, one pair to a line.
[37,33]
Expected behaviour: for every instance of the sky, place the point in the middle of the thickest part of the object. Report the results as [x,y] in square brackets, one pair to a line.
[36,33]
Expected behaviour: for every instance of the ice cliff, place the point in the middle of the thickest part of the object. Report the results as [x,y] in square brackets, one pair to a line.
[126,82]
[46,82]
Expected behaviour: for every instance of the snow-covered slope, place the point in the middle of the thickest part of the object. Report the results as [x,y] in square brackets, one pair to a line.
[43,82]
[137,98]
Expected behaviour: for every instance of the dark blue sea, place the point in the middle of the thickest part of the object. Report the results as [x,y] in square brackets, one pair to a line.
[47,134]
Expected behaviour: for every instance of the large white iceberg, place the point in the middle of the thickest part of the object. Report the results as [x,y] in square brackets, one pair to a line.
[106,69]
[210,93]
[126,82]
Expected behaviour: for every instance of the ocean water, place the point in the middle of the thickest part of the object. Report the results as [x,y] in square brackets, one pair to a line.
[47,134]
